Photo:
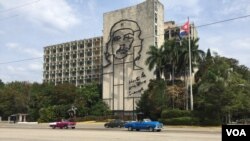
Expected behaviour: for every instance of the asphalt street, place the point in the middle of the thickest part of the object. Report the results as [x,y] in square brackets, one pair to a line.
[96,132]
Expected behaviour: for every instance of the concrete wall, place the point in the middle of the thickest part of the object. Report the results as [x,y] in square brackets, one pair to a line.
[127,35]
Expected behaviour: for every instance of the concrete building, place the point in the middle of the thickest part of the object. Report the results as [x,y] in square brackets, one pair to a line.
[116,60]
[171,30]
[128,34]
[76,62]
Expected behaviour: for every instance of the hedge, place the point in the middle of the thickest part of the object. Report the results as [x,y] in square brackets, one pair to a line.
[180,121]
[175,113]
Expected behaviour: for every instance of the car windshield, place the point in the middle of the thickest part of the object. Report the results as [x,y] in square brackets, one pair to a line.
[146,120]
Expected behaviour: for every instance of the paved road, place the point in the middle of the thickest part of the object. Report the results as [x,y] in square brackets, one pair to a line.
[96,132]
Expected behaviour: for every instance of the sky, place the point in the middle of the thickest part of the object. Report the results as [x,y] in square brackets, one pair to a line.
[27,26]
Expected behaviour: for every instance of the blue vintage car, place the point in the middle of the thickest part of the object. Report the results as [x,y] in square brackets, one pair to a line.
[146,124]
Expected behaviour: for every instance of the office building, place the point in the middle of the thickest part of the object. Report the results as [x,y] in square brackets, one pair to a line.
[76,62]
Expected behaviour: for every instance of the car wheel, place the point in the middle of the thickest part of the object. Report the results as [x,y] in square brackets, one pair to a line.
[130,129]
[53,127]
[137,129]
[66,127]
[73,127]
[151,129]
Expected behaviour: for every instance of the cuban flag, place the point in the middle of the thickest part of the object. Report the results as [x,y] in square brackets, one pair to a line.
[184,30]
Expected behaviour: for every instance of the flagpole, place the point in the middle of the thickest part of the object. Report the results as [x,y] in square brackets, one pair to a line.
[190,70]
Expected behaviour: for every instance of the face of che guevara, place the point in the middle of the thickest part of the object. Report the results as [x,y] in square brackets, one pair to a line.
[121,43]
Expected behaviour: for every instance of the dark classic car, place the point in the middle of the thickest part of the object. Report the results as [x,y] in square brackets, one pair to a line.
[145,124]
[63,124]
[115,123]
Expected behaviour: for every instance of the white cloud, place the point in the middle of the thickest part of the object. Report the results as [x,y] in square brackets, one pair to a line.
[212,42]
[239,7]
[242,44]
[48,13]
[19,72]
[36,66]
[12,69]
[25,50]
[184,8]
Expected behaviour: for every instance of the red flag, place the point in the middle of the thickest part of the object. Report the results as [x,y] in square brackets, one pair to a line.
[185,27]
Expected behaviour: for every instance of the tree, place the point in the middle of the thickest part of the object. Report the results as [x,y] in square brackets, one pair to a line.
[218,96]
[171,57]
[153,100]
[197,55]
[1,84]
[155,60]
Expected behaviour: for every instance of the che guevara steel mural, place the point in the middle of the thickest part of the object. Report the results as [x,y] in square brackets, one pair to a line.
[124,40]
[121,58]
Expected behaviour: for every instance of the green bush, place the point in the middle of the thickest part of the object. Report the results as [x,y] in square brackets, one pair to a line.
[175,113]
[180,121]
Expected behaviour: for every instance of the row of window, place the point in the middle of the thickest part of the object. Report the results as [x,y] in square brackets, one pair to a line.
[80,82]
[73,65]
[67,47]
[73,56]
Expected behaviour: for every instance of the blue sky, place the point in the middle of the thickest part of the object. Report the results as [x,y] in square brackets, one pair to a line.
[25,30]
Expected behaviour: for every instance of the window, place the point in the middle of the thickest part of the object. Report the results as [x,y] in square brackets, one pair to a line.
[74,56]
[89,53]
[89,44]
[73,65]
[80,63]
[67,57]
[88,62]
[81,46]
[54,51]
[59,66]
[59,58]
[60,50]
[166,35]
[173,33]
[74,47]
[81,54]
[54,59]
[66,66]
[67,48]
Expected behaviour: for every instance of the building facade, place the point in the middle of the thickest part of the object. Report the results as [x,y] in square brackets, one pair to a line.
[128,34]
[117,59]
[171,30]
[76,62]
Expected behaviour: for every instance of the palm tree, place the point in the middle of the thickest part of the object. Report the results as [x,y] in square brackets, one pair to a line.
[171,57]
[155,60]
[196,55]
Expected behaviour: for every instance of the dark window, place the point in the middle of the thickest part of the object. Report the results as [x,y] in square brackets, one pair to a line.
[88,62]
[89,44]
[173,33]
[89,53]
[67,57]
[81,54]
[74,47]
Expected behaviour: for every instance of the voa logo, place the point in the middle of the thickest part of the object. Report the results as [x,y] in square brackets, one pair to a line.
[236,132]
